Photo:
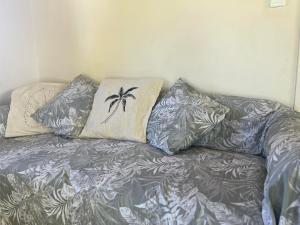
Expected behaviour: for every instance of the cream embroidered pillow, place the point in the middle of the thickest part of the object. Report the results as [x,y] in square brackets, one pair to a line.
[122,108]
[24,102]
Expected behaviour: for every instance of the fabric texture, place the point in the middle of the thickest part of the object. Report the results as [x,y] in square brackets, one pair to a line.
[242,128]
[121,109]
[281,204]
[49,180]
[181,117]
[4,109]
[24,102]
[67,113]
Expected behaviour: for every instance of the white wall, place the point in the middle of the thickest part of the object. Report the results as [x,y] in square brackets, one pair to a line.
[297,87]
[232,47]
[17,48]
[57,42]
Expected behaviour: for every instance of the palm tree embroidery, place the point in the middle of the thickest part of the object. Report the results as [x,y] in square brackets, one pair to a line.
[117,99]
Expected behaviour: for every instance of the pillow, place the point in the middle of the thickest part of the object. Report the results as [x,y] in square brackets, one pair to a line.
[242,128]
[122,108]
[67,113]
[3,119]
[181,117]
[25,101]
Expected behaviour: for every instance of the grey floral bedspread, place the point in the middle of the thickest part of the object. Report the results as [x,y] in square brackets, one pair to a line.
[50,180]
[281,204]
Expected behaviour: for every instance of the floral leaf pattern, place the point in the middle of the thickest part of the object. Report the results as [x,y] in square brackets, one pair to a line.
[59,202]
[242,128]
[67,113]
[181,117]
[47,179]
[3,119]
[281,147]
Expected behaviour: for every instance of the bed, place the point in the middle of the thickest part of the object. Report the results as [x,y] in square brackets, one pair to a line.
[193,159]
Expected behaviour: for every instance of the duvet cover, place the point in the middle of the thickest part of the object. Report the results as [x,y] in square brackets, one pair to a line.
[281,204]
[48,180]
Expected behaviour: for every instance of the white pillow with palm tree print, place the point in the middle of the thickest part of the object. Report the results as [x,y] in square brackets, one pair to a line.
[121,109]
[181,117]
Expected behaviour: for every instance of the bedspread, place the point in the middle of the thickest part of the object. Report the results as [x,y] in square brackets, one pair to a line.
[50,180]
[281,204]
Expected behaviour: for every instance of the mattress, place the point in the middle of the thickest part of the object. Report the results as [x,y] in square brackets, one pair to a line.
[47,179]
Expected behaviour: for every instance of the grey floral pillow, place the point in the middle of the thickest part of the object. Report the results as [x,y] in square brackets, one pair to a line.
[67,113]
[3,119]
[242,128]
[181,117]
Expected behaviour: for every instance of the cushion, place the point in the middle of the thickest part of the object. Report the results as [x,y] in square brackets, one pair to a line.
[4,109]
[67,113]
[242,128]
[181,116]
[122,108]
[24,102]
